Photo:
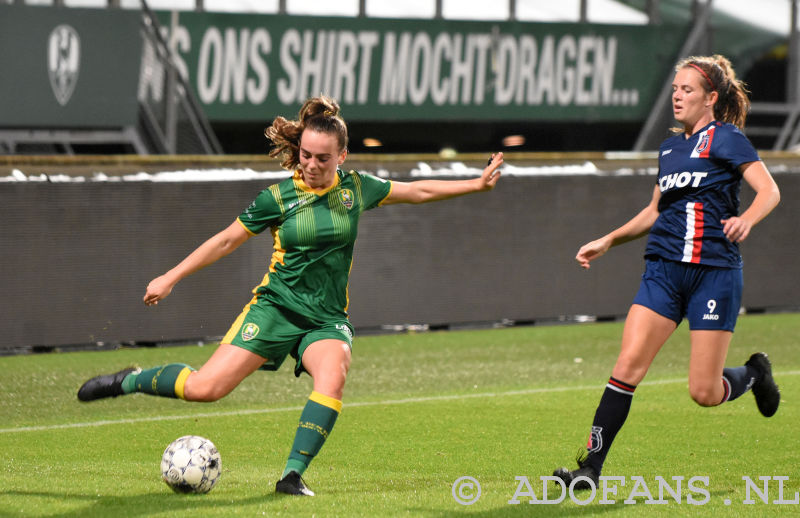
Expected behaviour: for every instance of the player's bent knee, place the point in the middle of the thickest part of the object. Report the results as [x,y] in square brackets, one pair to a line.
[331,384]
[705,397]
[333,381]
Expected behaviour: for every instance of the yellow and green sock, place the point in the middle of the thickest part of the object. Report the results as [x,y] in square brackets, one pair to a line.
[166,380]
[316,423]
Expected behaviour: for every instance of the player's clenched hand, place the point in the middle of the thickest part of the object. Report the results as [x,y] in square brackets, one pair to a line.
[158,289]
[591,251]
[736,229]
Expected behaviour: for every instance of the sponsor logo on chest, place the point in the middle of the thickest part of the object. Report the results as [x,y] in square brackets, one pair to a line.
[681,180]
[298,203]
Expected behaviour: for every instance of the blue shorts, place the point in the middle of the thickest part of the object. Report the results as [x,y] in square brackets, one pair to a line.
[709,297]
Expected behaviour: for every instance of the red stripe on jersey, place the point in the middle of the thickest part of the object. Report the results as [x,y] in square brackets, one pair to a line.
[693,239]
[698,232]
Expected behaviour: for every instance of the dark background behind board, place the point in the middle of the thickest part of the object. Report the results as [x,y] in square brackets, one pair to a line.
[76,257]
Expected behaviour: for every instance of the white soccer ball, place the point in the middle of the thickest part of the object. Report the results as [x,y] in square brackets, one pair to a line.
[191,464]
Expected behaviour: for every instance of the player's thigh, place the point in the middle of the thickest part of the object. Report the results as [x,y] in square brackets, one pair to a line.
[332,343]
[644,333]
[328,361]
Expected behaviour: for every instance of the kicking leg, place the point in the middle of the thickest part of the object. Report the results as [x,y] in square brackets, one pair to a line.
[226,368]
[711,384]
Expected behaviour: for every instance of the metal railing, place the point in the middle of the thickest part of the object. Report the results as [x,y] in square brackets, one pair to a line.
[172,119]
[653,129]
[777,122]
[785,116]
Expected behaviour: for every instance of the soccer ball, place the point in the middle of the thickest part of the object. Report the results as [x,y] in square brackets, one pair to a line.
[191,464]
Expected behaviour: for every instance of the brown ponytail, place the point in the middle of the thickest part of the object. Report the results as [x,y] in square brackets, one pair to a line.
[732,103]
[319,114]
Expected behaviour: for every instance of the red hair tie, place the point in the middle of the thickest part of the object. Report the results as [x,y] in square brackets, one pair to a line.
[710,82]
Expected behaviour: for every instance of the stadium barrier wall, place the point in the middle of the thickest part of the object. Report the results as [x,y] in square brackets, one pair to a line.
[77,257]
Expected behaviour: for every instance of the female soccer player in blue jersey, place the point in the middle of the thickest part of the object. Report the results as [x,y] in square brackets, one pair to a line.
[693,267]
[300,308]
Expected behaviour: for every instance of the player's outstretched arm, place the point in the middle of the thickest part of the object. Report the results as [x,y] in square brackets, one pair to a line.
[638,226]
[424,191]
[217,247]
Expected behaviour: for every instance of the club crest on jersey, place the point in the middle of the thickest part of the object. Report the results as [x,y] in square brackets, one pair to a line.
[701,150]
[249,331]
[703,144]
[346,197]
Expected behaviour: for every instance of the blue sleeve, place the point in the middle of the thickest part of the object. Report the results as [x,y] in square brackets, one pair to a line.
[735,149]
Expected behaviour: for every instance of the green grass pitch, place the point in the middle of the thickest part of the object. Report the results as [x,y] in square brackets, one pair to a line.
[420,411]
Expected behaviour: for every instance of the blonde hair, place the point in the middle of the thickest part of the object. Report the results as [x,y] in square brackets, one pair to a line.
[319,114]
[718,76]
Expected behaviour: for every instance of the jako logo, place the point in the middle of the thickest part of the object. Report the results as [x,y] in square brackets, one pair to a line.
[680,180]
[63,62]
[712,305]
[344,329]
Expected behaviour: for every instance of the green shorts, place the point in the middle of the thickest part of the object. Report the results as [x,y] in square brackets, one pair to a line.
[274,332]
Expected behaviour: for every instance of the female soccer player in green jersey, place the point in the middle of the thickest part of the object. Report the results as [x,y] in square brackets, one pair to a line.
[300,308]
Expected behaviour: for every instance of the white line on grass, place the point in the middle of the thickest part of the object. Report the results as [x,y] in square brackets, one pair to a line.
[387,402]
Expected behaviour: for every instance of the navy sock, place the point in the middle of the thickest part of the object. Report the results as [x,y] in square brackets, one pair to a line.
[737,380]
[608,419]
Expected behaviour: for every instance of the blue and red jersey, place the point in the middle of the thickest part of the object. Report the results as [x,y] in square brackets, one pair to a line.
[699,179]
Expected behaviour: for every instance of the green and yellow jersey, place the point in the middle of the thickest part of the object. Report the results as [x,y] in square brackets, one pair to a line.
[314,233]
